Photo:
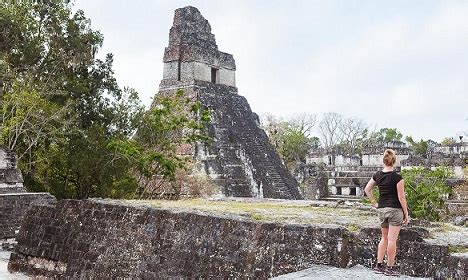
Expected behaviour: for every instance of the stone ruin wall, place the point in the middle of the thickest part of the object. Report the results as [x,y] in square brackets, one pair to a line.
[240,160]
[13,208]
[11,180]
[349,174]
[102,239]
[14,200]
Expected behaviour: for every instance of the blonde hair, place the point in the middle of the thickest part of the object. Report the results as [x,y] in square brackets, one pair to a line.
[389,157]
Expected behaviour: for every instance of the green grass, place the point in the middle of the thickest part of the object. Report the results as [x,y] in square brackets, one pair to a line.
[353,228]
[458,249]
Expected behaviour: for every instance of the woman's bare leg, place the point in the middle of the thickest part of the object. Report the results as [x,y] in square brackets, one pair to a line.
[382,245]
[393,232]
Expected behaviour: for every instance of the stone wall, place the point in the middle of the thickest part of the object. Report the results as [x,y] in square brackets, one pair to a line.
[13,207]
[104,239]
[197,71]
[11,180]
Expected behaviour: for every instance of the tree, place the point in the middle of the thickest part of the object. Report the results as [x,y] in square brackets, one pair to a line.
[29,121]
[353,131]
[427,191]
[329,129]
[448,141]
[389,135]
[291,138]
[153,154]
[302,123]
[419,148]
[63,111]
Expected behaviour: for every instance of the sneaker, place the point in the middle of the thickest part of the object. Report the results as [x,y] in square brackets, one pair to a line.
[391,271]
[380,269]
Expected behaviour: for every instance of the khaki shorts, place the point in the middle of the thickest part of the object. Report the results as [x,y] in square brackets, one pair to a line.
[390,216]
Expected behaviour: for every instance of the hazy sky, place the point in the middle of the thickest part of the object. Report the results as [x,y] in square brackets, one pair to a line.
[400,64]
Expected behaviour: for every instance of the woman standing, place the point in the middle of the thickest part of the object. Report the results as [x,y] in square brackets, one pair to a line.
[392,209]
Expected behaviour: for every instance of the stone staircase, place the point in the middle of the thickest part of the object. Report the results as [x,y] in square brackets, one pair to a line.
[246,164]
[350,180]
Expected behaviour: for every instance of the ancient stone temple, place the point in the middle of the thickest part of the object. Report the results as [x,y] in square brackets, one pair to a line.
[240,160]
[11,180]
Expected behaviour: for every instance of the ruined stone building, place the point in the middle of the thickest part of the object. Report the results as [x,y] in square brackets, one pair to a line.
[240,160]
[11,180]
[14,200]
[349,174]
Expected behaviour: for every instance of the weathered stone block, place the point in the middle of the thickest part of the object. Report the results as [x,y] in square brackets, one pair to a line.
[13,208]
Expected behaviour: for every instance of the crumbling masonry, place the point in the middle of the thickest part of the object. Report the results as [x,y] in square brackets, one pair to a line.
[240,160]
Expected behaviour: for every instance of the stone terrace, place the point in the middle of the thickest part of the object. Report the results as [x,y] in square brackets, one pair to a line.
[217,239]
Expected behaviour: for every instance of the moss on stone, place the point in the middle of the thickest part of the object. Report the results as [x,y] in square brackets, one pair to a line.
[458,249]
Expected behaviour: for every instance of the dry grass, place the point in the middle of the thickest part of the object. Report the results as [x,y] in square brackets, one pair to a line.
[272,211]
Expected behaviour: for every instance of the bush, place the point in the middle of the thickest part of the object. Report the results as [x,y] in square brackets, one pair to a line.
[426,191]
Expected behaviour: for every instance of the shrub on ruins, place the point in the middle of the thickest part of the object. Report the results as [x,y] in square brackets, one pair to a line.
[447,141]
[426,191]
[292,137]
[162,147]
[419,147]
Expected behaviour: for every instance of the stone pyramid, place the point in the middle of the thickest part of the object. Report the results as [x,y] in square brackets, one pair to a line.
[240,160]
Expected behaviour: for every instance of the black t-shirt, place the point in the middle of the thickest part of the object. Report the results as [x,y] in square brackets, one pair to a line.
[387,182]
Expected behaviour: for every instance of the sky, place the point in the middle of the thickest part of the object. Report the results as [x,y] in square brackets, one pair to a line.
[399,64]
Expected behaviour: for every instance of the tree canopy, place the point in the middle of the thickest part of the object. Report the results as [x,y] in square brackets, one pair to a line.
[73,127]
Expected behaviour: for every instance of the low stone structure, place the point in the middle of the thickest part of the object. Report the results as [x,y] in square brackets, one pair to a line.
[240,160]
[13,208]
[104,239]
[14,200]
[313,180]
[11,180]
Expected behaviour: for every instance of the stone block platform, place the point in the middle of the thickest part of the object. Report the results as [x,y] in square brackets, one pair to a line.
[214,239]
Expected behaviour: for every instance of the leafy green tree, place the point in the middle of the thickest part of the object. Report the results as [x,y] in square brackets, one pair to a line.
[173,123]
[64,113]
[295,146]
[448,141]
[389,135]
[292,138]
[419,148]
[427,191]
[29,121]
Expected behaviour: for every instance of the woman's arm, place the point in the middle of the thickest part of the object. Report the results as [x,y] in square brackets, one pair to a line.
[368,190]
[402,199]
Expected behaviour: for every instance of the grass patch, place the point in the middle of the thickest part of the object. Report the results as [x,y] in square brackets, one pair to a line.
[457,249]
[257,217]
[273,211]
[353,228]
[443,227]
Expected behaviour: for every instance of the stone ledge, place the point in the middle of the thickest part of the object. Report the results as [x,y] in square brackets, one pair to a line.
[111,239]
